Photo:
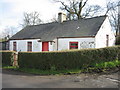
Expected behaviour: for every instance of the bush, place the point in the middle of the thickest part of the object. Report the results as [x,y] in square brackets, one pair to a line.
[7,57]
[72,59]
[117,40]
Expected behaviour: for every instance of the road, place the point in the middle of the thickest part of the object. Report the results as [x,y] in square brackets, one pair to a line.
[13,79]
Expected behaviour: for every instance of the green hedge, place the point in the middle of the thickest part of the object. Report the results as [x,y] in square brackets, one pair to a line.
[7,57]
[73,59]
[117,42]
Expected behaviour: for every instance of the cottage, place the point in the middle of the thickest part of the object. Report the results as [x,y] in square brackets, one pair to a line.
[64,35]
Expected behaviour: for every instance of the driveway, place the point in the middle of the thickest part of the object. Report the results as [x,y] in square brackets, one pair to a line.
[13,79]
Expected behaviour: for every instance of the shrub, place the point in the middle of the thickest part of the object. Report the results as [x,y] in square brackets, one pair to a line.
[72,59]
[7,57]
[117,40]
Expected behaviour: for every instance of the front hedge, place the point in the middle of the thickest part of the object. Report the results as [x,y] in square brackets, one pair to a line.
[7,57]
[117,42]
[73,59]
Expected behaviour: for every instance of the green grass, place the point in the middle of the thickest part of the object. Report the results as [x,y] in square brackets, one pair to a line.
[108,64]
[103,66]
[49,72]
[42,72]
[10,67]
[95,68]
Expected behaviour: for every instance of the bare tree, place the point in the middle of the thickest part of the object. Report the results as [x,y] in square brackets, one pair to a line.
[5,34]
[77,9]
[54,19]
[119,17]
[8,32]
[91,11]
[112,12]
[31,19]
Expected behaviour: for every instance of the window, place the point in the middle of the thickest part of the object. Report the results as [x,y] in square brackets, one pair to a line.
[107,40]
[29,46]
[14,46]
[73,45]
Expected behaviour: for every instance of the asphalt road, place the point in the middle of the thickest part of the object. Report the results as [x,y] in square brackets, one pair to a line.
[13,79]
[0,79]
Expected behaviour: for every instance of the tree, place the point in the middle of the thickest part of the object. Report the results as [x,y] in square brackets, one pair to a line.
[112,12]
[77,9]
[53,19]
[119,17]
[31,19]
[8,32]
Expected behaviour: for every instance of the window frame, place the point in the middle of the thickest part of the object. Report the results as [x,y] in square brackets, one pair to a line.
[14,46]
[29,46]
[107,40]
[70,46]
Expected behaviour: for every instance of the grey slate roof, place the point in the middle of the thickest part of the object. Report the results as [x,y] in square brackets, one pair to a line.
[50,31]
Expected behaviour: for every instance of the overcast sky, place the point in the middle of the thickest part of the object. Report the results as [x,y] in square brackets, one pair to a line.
[11,11]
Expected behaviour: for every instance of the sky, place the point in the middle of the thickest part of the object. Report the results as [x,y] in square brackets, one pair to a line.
[11,11]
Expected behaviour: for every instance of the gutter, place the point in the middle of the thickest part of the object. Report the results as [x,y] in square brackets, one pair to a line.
[79,37]
[25,39]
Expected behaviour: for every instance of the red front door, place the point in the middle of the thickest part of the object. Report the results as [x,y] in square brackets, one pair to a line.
[45,46]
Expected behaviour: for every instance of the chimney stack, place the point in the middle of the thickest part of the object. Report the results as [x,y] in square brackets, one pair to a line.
[61,17]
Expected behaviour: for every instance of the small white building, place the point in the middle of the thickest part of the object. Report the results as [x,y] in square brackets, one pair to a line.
[64,35]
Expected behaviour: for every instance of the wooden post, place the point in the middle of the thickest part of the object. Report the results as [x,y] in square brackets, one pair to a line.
[15,58]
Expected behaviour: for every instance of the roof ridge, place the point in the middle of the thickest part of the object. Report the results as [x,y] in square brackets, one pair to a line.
[84,18]
[69,20]
[97,16]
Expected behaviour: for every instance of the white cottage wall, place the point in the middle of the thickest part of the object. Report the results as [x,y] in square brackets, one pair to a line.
[22,45]
[55,44]
[63,43]
[100,38]
[51,46]
[36,46]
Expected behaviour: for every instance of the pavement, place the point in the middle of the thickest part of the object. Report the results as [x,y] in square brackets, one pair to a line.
[14,79]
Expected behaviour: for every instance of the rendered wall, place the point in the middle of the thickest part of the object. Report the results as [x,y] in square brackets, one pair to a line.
[100,38]
[63,43]
[22,45]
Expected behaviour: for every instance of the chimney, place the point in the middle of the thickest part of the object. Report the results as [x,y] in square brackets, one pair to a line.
[61,17]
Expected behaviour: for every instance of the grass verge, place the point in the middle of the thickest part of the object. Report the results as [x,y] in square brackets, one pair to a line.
[103,67]
[49,72]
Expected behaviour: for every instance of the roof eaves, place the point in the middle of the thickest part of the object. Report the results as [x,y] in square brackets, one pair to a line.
[24,38]
[79,37]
